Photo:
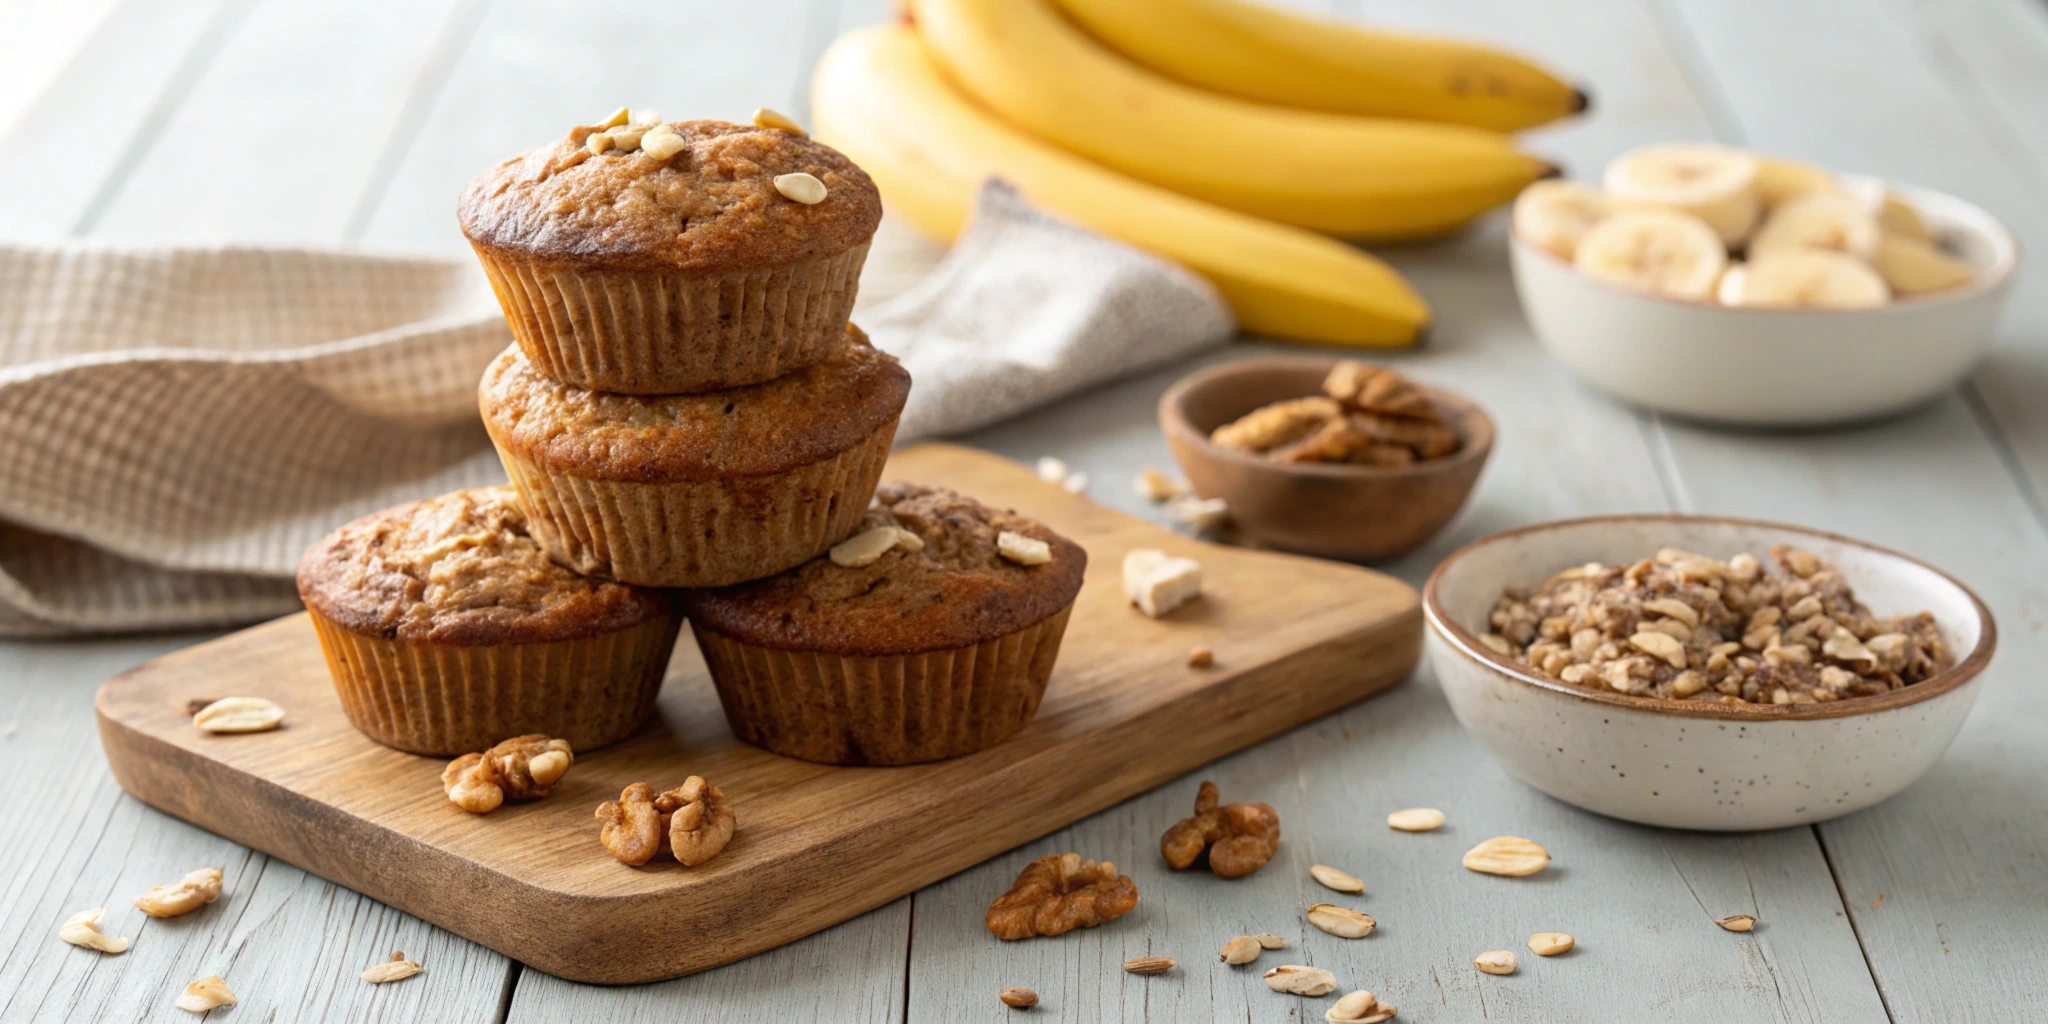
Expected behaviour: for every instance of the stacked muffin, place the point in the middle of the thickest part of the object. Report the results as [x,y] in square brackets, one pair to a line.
[687,405]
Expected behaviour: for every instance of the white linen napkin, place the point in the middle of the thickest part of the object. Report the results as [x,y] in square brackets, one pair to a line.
[178,424]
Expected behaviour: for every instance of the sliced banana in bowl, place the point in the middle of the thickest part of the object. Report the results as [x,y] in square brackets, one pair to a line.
[1717,184]
[1827,219]
[1556,213]
[1662,252]
[1796,278]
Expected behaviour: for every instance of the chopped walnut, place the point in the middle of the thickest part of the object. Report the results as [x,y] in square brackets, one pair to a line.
[1239,838]
[521,768]
[1368,415]
[631,825]
[1058,893]
[696,819]
[1687,627]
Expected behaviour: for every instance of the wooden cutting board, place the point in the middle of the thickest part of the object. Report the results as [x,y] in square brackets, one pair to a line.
[1294,638]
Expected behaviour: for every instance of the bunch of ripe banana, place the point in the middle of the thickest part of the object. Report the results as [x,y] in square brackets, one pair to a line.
[1671,214]
[1227,136]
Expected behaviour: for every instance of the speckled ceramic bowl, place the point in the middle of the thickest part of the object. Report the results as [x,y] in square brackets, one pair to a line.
[1694,765]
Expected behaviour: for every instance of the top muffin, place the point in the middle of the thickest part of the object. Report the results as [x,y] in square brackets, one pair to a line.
[710,206]
[460,569]
[955,591]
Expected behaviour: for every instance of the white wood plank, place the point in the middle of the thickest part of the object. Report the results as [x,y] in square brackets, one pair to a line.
[99,104]
[852,972]
[1955,858]
[279,137]
[535,69]
[1878,90]
[36,41]
[290,945]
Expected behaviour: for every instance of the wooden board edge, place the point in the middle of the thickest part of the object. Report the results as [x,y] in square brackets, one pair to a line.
[599,940]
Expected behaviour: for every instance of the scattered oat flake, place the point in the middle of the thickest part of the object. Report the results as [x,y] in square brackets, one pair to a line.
[1416,819]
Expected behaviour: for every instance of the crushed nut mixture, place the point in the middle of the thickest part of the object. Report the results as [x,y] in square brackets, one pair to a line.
[1058,893]
[1688,627]
[1367,415]
[1239,838]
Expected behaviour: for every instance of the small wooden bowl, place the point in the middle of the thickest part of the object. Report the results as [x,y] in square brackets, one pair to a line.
[1360,513]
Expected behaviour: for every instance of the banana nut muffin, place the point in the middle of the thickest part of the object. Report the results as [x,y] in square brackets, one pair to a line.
[660,258]
[922,637]
[697,490]
[448,629]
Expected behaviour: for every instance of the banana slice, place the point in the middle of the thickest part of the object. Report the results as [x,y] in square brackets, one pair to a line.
[1914,267]
[1803,279]
[1659,251]
[1832,220]
[1779,180]
[1714,183]
[1894,214]
[1556,214]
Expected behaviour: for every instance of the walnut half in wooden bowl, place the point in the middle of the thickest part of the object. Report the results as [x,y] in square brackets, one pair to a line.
[1326,463]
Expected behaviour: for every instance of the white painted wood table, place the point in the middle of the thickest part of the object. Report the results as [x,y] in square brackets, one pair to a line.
[324,121]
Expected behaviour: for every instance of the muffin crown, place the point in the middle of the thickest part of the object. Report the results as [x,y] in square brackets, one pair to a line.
[956,591]
[794,420]
[460,570]
[712,206]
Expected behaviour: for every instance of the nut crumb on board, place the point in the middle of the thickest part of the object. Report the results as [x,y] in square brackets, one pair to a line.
[1157,583]
[1684,626]
[1021,998]
[1200,656]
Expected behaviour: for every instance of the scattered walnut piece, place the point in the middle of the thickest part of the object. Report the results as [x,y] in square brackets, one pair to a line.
[205,994]
[1684,626]
[1200,656]
[1021,998]
[1738,923]
[1360,1007]
[195,890]
[631,826]
[1149,965]
[238,714]
[1239,838]
[1507,855]
[83,929]
[1059,892]
[698,819]
[1158,582]
[394,969]
[1296,979]
[1498,961]
[521,768]
[1367,415]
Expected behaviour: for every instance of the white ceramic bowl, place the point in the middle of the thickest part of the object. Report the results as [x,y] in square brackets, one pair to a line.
[1687,764]
[1760,367]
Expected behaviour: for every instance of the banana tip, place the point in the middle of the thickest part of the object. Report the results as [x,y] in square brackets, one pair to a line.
[1582,100]
[1550,170]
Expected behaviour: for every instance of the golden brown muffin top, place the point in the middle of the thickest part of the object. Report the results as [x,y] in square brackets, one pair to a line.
[955,592]
[794,420]
[460,570]
[711,207]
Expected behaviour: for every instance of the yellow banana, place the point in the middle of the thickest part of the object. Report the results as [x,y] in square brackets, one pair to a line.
[1355,177]
[878,98]
[1260,53]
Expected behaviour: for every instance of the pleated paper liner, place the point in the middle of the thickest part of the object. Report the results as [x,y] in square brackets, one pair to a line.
[445,699]
[898,709]
[650,332]
[703,533]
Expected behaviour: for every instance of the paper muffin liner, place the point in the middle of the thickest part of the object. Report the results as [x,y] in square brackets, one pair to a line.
[656,333]
[896,709]
[445,699]
[698,533]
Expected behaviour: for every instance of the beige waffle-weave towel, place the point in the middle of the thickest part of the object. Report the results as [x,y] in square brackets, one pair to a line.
[177,425]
